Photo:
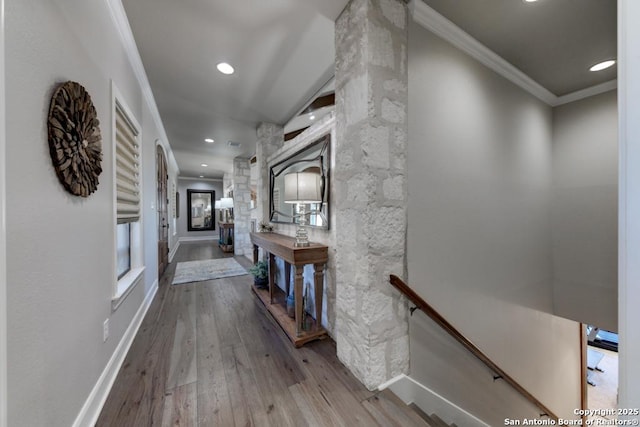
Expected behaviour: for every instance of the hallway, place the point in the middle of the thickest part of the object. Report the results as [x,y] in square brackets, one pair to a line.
[208,354]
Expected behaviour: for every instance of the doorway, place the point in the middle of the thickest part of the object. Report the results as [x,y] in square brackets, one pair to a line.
[601,372]
[162,202]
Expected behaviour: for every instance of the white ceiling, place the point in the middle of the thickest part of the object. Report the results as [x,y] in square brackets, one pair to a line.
[283,53]
[552,41]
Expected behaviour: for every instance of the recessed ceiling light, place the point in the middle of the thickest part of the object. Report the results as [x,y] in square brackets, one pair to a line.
[204,165]
[603,65]
[529,1]
[312,117]
[209,140]
[225,68]
[201,176]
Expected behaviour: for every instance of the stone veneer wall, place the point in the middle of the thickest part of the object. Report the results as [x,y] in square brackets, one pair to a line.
[371,188]
[227,184]
[270,139]
[254,171]
[241,204]
[324,236]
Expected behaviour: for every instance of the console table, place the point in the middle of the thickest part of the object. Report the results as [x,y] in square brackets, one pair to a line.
[274,299]
[226,236]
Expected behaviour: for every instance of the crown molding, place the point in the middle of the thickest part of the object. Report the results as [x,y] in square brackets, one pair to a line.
[442,27]
[190,178]
[119,17]
[585,93]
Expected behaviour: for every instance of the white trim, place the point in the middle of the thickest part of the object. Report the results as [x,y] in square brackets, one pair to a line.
[628,203]
[586,93]
[125,285]
[159,143]
[442,27]
[188,178]
[622,204]
[197,239]
[93,405]
[3,234]
[411,391]
[121,22]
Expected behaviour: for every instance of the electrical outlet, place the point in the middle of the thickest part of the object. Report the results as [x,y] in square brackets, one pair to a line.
[105,330]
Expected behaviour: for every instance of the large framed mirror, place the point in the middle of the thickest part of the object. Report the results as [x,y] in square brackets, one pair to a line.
[314,158]
[200,210]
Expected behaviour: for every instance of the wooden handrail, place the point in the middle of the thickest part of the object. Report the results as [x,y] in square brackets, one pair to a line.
[451,330]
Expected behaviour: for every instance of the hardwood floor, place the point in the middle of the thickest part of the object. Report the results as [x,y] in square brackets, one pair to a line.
[208,354]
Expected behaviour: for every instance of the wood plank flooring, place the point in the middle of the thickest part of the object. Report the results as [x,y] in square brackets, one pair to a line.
[209,354]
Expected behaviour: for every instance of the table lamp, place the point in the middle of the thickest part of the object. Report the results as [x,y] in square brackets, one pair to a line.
[226,203]
[302,188]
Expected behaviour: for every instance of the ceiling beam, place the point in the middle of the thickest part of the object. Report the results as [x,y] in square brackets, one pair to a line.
[294,133]
[320,102]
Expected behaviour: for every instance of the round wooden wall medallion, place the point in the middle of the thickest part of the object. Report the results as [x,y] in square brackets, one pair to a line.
[74,139]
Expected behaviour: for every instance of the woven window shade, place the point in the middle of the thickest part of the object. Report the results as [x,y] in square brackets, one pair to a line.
[127,170]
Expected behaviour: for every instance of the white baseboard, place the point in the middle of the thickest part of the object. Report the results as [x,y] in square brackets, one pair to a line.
[411,391]
[93,405]
[198,239]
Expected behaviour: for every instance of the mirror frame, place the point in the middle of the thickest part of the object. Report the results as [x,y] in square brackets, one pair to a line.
[211,226]
[324,158]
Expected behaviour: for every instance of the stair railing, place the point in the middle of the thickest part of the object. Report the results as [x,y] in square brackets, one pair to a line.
[421,304]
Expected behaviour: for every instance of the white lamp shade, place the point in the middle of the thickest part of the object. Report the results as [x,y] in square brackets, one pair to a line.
[217,204]
[302,187]
[226,203]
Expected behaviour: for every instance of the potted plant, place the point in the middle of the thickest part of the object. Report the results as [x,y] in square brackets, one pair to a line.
[260,272]
[265,227]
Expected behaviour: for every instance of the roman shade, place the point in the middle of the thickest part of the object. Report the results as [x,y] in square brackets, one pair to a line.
[127,169]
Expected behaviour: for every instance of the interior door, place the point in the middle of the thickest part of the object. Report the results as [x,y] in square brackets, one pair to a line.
[162,202]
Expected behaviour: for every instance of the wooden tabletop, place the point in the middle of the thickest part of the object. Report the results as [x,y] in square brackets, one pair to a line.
[284,247]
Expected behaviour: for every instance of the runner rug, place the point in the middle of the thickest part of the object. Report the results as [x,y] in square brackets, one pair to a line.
[210,269]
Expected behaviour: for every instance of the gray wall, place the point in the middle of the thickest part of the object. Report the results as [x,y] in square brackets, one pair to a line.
[193,184]
[61,248]
[585,210]
[479,235]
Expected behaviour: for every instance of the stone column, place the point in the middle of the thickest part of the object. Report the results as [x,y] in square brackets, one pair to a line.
[371,188]
[227,182]
[270,139]
[241,204]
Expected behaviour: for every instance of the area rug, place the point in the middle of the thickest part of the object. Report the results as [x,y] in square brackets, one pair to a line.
[210,269]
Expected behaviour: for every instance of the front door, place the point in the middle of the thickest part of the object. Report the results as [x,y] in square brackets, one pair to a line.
[162,202]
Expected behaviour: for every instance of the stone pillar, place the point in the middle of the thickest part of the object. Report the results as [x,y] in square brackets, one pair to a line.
[270,139]
[241,204]
[371,188]
[227,182]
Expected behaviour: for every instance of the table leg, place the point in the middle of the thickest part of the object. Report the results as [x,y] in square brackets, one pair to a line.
[255,254]
[318,284]
[287,277]
[297,290]
[272,275]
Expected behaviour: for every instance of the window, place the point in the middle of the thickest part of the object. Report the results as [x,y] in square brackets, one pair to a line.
[123,248]
[128,255]
[127,169]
